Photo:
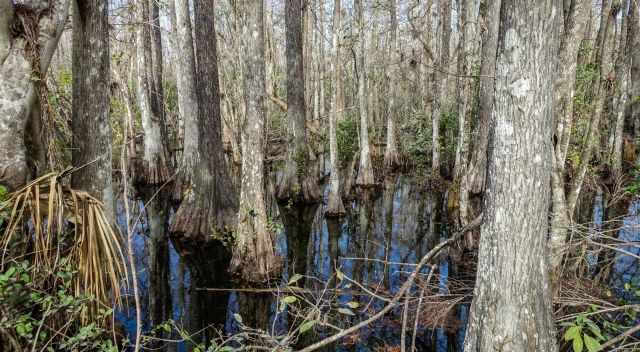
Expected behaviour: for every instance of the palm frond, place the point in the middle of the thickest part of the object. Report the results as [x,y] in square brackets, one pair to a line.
[46,208]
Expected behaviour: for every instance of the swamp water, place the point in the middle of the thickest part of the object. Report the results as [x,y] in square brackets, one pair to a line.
[375,245]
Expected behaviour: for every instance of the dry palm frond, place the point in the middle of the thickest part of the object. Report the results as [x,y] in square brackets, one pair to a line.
[46,207]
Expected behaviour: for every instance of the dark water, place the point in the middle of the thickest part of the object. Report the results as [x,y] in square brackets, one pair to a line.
[390,228]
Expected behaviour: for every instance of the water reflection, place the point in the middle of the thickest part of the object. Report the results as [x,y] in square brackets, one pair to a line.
[383,233]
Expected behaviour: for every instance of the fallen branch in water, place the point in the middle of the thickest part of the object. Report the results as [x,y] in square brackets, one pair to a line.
[405,287]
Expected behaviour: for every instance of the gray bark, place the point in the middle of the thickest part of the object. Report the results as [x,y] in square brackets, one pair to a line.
[208,206]
[90,124]
[154,165]
[605,65]
[335,206]
[18,89]
[573,32]
[365,171]
[634,53]
[391,157]
[489,13]
[254,258]
[512,309]
[440,83]
[297,183]
[621,94]
[467,60]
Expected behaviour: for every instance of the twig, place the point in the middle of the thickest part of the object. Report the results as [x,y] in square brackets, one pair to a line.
[405,287]
[620,337]
[132,263]
[415,322]
[403,333]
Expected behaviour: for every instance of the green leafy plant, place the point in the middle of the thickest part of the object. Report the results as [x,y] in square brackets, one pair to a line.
[347,138]
[47,317]
[584,332]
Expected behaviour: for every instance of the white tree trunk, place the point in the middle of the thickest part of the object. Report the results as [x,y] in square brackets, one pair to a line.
[512,306]
[18,91]
[335,206]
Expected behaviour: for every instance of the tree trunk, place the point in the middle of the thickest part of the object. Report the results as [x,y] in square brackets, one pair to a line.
[467,60]
[634,52]
[154,164]
[254,258]
[573,32]
[157,89]
[297,183]
[605,66]
[365,171]
[90,124]
[208,206]
[489,13]
[621,94]
[335,206]
[18,91]
[512,309]
[391,157]
[440,85]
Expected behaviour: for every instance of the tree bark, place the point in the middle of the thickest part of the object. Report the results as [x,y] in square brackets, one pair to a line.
[467,60]
[208,206]
[574,24]
[391,157]
[605,67]
[440,82]
[153,168]
[297,183]
[18,91]
[621,94]
[365,171]
[335,206]
[90,124]
[634,52]
[254,258]
[489,13]
[512,309]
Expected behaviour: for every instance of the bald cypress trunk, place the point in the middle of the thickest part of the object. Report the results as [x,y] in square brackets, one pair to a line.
[512,310]
[335,206]
[365,171]
[634,51]
[297,183]
[440,84]
[490,21]
[254,258]
[90,111]
[467,61]
[573,31]
[391,157]
[153,166]
[208,204]
[18,91]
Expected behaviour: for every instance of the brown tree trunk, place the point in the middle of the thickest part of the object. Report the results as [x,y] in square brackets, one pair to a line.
[90,111]
[297,183]
[512,309]
[208,206]
[254,258]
